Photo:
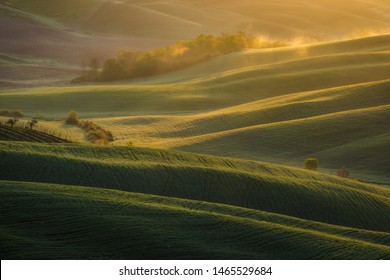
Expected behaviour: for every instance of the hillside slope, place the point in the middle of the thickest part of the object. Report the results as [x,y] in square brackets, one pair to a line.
[226,81]
[46,221]
[180,20]
[281,105]
[28,135]
[53,38]
[255,185]
[38,50]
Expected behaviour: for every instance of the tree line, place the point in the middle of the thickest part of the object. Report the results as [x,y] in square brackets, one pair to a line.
[132,64]
[94,132]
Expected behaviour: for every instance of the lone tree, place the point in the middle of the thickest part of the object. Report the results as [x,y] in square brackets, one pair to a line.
[311,164]
[32,123]
[344,172]
[12,122]
[72,118]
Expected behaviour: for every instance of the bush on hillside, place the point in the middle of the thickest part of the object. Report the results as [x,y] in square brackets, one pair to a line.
[95,133]
[72,118]
[311,164]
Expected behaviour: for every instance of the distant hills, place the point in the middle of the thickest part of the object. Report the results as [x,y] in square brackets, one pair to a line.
[48,41]
[172,19]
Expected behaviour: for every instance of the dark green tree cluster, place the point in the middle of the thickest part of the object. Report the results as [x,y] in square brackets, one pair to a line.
[132,64]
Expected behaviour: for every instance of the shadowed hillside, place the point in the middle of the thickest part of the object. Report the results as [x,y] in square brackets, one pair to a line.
[154,227]
[301,214]
[242,183]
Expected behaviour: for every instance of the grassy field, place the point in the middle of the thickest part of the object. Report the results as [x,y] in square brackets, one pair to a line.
[204,203]
[226,81]
[66,222]
[280,105]
[27,135]
[206,162]
[248,184]
[56,128]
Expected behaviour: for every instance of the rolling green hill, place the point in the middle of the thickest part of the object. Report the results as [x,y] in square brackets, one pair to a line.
[46,221]
[204,203]
[225,81]
[247,184]
[205,162]
[280,105]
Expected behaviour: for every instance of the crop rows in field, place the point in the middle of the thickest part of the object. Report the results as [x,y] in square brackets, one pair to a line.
[101,223]
[29,135]
[249,184]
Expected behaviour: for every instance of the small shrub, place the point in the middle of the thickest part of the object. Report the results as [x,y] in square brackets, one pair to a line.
[311,164]
[95,133]
[72,118]
[344,172]
[110,136]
